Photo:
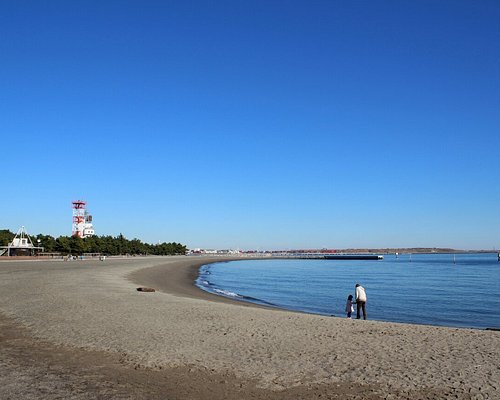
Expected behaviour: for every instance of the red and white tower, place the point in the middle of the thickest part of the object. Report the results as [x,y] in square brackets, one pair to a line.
[82,220]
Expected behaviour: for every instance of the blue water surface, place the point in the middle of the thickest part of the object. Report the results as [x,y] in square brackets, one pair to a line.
[461,290]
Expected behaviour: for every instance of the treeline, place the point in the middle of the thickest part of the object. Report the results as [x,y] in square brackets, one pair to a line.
[106,245]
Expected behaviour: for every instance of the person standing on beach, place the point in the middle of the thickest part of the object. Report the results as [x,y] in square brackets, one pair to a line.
[360,301]
[349,308]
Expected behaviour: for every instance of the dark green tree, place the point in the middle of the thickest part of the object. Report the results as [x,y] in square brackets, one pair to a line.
[46,241]
[107,245]
[6,237]
[63,245]
[77,245]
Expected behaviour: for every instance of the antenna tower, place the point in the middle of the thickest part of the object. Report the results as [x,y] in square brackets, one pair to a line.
[82,220]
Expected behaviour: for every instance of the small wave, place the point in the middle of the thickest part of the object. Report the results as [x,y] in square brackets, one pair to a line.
[250,299]
[209,287]
[227,293]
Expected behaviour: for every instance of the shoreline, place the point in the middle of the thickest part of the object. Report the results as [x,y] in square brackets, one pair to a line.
[185,343]
[179,278]
[182,283]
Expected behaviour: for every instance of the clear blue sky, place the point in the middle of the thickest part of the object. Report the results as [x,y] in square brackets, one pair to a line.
[254,124]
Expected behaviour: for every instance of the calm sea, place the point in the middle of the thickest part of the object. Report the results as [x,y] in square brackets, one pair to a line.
[436,289]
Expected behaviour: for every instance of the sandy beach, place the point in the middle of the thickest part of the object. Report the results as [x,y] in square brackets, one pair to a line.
[81,330]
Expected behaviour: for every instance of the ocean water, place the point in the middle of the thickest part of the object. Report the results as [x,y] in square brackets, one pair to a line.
[435,289]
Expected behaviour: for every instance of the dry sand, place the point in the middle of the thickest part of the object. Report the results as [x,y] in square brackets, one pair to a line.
[81,330]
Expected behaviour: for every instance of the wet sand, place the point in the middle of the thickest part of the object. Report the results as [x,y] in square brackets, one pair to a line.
[81,330]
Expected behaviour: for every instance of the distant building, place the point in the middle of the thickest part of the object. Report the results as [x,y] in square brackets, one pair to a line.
[21,245]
